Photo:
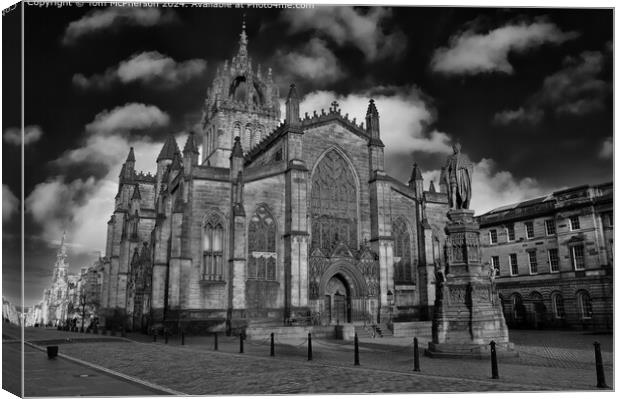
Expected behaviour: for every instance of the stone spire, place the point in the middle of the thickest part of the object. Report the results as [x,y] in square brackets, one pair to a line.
[190,145]
[237,151]
[243,41]
[292,107]
[372,120]
[432,187]
[169,149]
[416,181]
[131,157]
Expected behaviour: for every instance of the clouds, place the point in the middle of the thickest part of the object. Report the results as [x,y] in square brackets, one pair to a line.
[150,67]
[493,188]
[32,134]
[114,18]
[471,53]
[314,61]
[128,117]
[83,206]
[574,90]
[346,25]
[405,117]
[10,203]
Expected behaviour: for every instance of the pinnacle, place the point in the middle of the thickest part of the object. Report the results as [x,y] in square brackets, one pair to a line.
[131,157]
[169,149]
[190,144]
[237,151]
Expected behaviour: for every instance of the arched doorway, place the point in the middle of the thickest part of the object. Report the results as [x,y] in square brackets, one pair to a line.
[338,300]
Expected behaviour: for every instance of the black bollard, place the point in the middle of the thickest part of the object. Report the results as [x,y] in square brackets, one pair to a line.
[356,362]
[272,351]
[182,338]
[494,372]
[309,346]
[52,352]
[154,336]
[241,343]
[123,332]
[166,337]
[600,371]
[215,342]
[416,355]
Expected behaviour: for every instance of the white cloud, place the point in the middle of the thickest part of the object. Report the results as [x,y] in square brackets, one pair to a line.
[131,116]
[346,25]
[314,62]
[471,53]
[575,90]
[404,117]
[83,207]
[492,188]
[607,149]
[10,203]
[32,134]
[113,18]
[147,67]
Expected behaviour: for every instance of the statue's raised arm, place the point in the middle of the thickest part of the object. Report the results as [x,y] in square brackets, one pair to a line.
[459,171]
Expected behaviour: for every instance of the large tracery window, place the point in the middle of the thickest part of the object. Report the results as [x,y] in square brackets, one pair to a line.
[262,246]
[212,239]
[402,252]
[333,204]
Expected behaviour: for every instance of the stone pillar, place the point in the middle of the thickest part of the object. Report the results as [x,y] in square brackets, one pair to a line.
[468,312]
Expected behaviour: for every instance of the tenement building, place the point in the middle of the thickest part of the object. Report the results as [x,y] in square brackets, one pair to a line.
[282,219]
[553,258]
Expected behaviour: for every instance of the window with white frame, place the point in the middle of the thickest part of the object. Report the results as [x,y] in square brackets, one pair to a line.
[514,267]
[493,236]
[578,257]
[550,227]
[585,305]
[529,229]
[574,222]
[533,262]
[558,305]
[554,261]
[495,264]
[510,232]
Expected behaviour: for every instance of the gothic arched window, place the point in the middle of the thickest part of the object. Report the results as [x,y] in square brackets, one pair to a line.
[212,243]
[333,204]
[247,137]
[262,246]
[402,252]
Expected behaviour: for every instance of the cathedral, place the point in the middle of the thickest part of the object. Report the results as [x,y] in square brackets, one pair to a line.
[283,219]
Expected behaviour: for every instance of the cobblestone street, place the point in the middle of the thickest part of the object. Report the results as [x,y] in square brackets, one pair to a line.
[386,364]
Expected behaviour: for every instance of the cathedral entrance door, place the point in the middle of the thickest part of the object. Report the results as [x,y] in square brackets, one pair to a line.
[338,298]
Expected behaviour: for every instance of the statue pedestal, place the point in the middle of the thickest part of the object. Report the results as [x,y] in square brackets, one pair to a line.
[468,312]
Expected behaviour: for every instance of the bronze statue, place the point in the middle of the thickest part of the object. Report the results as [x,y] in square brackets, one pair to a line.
[458,173]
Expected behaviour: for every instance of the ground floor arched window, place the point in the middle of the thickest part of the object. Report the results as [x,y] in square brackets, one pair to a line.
[585,305]
[558,305]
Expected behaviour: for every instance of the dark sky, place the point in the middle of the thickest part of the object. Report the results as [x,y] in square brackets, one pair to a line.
[526,91]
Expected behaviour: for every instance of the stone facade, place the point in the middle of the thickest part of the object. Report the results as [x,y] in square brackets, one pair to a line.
[554,258]
[279,222]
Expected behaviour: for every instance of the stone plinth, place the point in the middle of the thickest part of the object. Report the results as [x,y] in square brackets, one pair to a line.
[468,312]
